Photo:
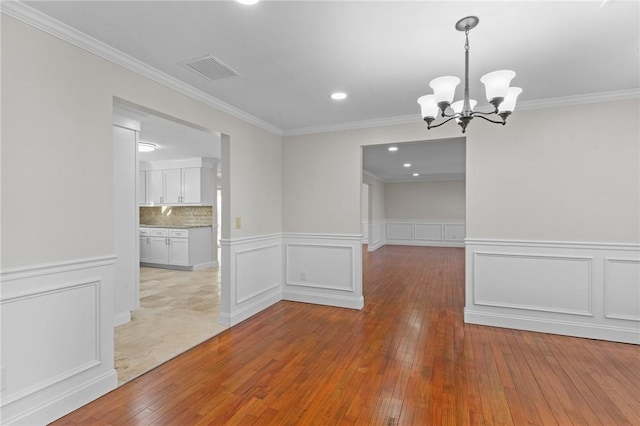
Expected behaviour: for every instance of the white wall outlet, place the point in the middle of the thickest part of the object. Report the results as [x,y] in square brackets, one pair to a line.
[303,275]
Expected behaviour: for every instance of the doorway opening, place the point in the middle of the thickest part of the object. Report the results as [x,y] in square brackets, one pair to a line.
[166,221]
[414,193]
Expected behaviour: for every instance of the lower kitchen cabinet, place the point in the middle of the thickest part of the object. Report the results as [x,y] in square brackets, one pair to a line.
[176,248]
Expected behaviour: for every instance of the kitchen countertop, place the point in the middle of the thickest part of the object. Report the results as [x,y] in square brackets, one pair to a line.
[175,226]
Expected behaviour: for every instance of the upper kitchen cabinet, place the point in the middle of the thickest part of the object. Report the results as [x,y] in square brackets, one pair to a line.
[180,182]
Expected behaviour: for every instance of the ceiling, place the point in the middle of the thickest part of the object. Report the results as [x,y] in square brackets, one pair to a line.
[434,160]
[173,140]
[292,55]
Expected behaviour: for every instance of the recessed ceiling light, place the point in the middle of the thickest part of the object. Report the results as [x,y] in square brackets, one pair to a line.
[406,165]
[248,2]
[416,174]
[393,148]
[338,96]
[146,147]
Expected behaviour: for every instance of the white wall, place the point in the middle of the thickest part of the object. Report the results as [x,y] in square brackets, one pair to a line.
[57,211]
[59,206]
[567,174]
[441,200]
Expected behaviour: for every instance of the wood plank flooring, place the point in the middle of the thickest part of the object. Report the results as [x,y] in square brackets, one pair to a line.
[405,359]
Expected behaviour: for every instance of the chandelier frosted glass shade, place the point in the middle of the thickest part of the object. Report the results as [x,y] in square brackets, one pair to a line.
[458,105]
[428,106]
[444,88]
[440,104]
[509,103]
[496,83]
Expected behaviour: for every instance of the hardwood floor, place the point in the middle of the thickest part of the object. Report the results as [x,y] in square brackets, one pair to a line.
[406,358]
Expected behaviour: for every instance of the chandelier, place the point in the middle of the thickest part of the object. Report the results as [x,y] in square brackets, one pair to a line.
[499,94]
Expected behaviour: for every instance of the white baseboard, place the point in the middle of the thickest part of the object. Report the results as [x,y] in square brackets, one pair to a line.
[571,288]
[248,311]
[555,326]
[67,402]
[424,243]
[121,318]
[324,299]
[205,265]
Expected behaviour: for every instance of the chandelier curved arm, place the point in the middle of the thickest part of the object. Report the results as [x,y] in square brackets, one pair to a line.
[503,122]
[429,126]
[474,113]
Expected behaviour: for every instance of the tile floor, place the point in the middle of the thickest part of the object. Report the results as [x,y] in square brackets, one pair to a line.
[178,310]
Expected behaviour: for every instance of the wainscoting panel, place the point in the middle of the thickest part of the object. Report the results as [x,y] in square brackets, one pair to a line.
[323,269]
[572,288]
[436,233]
[536,282]
[252,278]
[376,235]
[57,338]
[621,290]
[428,232]
[399,231]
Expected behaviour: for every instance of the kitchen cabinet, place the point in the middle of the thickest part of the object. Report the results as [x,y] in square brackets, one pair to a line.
[168,184]
[172,186]
[145,244]
[155,187]
[176,248]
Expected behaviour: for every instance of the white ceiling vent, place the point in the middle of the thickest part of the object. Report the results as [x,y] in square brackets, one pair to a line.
[211,67]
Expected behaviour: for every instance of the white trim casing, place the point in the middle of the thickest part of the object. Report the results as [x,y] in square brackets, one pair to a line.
[323,269]
[572,288]
[57,338]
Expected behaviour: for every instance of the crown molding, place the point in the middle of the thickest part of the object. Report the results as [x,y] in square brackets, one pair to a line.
[41,21]
[590,98]
[354,125]
[22,12]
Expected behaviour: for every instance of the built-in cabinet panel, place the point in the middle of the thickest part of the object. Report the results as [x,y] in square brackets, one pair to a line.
[178,182]
[155,186]
[172,186]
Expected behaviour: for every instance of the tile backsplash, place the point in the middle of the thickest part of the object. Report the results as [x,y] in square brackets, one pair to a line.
[177,216]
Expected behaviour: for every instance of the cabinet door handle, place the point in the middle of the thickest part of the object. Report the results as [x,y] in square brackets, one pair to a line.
[162,199]
[148,240]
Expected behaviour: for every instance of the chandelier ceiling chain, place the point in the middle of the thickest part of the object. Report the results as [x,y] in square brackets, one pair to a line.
[499,94]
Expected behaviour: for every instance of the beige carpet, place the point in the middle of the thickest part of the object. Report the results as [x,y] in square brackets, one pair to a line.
[177,311]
